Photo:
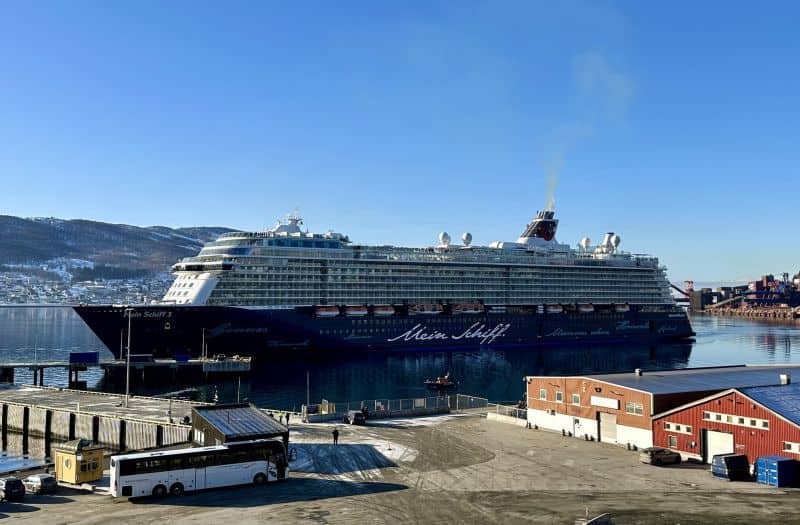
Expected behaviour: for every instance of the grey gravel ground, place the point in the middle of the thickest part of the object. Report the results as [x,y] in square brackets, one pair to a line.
[451,470]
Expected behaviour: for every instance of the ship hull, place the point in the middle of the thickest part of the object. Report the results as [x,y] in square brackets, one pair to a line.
[167,331]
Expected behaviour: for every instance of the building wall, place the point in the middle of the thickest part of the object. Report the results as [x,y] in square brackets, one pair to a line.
[586,389]
[754,441]
[594,397]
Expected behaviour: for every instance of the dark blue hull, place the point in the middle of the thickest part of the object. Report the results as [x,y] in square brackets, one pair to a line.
[164,331]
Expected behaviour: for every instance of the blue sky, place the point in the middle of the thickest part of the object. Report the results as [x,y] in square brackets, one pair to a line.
[673,124]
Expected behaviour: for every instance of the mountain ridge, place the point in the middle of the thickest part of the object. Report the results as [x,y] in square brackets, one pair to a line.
[148,249]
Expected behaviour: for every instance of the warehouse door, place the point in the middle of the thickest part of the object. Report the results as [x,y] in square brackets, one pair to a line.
[608,427]
[716,443]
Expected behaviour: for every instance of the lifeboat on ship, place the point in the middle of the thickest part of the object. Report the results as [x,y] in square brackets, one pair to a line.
[383,310]
[585,308]
[425,309]
[468,308]
[622,308]
[553,308]
[326,311]
[355,311]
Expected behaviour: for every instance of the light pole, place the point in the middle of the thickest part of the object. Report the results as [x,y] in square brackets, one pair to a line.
[128,312]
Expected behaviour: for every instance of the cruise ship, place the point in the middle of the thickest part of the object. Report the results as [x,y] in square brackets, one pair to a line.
[256,293]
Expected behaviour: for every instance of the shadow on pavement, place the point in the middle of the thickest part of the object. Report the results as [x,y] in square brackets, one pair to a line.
[290,491]
[14,508]
[49,499]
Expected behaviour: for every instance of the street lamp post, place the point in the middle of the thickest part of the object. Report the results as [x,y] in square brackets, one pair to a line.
[128,312]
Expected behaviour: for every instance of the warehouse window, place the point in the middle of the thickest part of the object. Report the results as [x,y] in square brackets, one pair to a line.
[764,424]
[791,447]
[576,399]
[677,427]
[706,415]
[559,397]
[636,409]
[673,442]
[542,393]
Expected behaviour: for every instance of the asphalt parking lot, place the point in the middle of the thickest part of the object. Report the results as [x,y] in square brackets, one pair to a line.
[445,469]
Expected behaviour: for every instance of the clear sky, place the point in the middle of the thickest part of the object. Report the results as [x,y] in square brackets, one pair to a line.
[674,124]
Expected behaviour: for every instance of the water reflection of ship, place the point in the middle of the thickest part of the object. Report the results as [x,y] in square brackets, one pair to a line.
[496,375]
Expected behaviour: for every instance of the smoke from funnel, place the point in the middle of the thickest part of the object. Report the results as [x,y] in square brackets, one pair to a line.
[552,171]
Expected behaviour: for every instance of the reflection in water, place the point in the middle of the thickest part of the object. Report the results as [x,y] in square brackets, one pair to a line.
[51,333]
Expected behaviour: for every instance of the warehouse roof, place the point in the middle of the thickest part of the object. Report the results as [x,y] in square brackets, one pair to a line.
[699,379]
[241,421]
[784,400]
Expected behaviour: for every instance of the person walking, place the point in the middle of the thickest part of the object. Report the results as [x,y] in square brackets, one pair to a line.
[287,419]
[335,436]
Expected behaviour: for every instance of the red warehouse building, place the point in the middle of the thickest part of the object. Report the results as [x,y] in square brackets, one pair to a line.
[756,421]
[620,408]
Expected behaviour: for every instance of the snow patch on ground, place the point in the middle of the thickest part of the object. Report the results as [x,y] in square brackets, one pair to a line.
[362,459]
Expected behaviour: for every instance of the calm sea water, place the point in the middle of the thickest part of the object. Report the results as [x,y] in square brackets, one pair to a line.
[50,333]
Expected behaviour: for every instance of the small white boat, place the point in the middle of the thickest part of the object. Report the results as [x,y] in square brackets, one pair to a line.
[355,311]
[383,310]
[326,311]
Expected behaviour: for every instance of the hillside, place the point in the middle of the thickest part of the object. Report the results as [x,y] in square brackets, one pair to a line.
[115,248]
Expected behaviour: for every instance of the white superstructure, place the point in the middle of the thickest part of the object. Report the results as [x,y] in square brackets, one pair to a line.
[286,267]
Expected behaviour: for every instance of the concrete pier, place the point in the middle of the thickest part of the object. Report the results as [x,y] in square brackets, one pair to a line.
[57,415]
[159,369]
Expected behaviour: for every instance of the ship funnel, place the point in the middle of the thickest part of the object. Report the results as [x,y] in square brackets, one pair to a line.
[543,226]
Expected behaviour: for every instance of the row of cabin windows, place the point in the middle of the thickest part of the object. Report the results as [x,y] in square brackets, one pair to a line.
[736,420]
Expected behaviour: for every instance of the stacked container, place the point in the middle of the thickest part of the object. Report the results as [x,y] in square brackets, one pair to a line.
[776,471]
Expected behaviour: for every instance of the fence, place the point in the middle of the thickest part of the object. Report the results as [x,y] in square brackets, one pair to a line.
[382,408]
[507,414]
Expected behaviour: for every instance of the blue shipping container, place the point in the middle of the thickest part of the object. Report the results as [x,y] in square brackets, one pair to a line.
[776,471]
[84,357]
[733,467]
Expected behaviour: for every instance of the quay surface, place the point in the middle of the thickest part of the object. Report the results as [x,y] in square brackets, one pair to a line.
[56,415]
[152,409]
[445,469]
[770,313]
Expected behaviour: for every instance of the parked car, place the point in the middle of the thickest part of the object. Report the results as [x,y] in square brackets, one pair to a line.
[40,484]
[354,417]
[11,489]
[659,456]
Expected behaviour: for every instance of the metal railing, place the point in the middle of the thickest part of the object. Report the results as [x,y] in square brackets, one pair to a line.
[503,410]
[408,406]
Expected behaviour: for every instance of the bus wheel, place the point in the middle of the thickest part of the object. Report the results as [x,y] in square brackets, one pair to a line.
[176,489]
[159,491]
[260,479]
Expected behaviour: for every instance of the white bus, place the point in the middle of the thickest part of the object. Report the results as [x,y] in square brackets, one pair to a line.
[176,471]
